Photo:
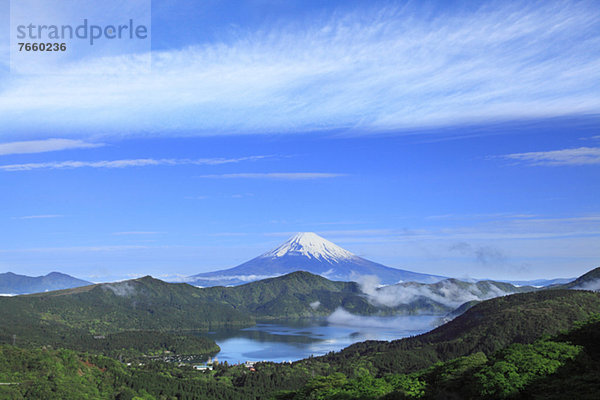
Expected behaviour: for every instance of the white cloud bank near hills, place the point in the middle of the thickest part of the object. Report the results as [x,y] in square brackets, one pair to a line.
[449,293]
[591,285]
[369,70]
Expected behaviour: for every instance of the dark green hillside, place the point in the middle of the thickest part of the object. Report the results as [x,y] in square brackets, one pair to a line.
[72,317]
[566,366]
[133,317]
[486,327]
[290,296]
[460,310]
[140,304]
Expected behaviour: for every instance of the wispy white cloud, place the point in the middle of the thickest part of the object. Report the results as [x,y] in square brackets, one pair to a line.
[577,156]
[43,216]
[592,138]
[480,216]
[42,146]
[140,162]
[76,249]
[136,233]
[491,229]
[369,70]
[276,175]
[228,196]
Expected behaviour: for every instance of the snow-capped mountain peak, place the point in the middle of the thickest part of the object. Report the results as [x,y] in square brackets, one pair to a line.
[310,245]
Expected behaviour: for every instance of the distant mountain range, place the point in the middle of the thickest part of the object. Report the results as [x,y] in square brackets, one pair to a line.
[11,283]
[541,282]
[309,252]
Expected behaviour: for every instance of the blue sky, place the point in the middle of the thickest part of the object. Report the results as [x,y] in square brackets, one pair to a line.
[455,138]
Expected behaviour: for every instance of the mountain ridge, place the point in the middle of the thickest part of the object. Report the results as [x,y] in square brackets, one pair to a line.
[11,283]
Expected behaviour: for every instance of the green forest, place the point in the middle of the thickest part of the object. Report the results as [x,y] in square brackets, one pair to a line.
[533,345]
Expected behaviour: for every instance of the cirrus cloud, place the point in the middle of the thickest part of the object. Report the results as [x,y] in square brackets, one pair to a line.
[139,162]
[577,156]
[275,175]
[42,146]
[369,70]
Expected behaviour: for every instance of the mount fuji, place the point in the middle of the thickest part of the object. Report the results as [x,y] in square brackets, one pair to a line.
[307,251]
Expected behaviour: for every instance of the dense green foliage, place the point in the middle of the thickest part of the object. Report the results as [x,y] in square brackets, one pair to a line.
[492,351]
[562,367]
[144,303]
[122,319]
[65,374]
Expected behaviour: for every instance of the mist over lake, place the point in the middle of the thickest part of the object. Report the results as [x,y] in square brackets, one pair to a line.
[286,340]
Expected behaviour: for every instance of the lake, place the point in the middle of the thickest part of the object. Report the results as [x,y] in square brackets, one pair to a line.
[293,340]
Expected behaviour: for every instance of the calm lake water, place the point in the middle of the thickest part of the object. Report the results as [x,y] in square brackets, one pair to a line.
[293,340]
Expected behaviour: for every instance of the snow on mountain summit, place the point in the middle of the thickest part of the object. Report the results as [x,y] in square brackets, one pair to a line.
[309,252]
[310,245]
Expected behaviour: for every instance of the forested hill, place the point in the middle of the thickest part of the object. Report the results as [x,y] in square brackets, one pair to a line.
[295,295]
[144,303]
[141,316]
[486,327]
[303,294]
[148,303]
[69,318]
